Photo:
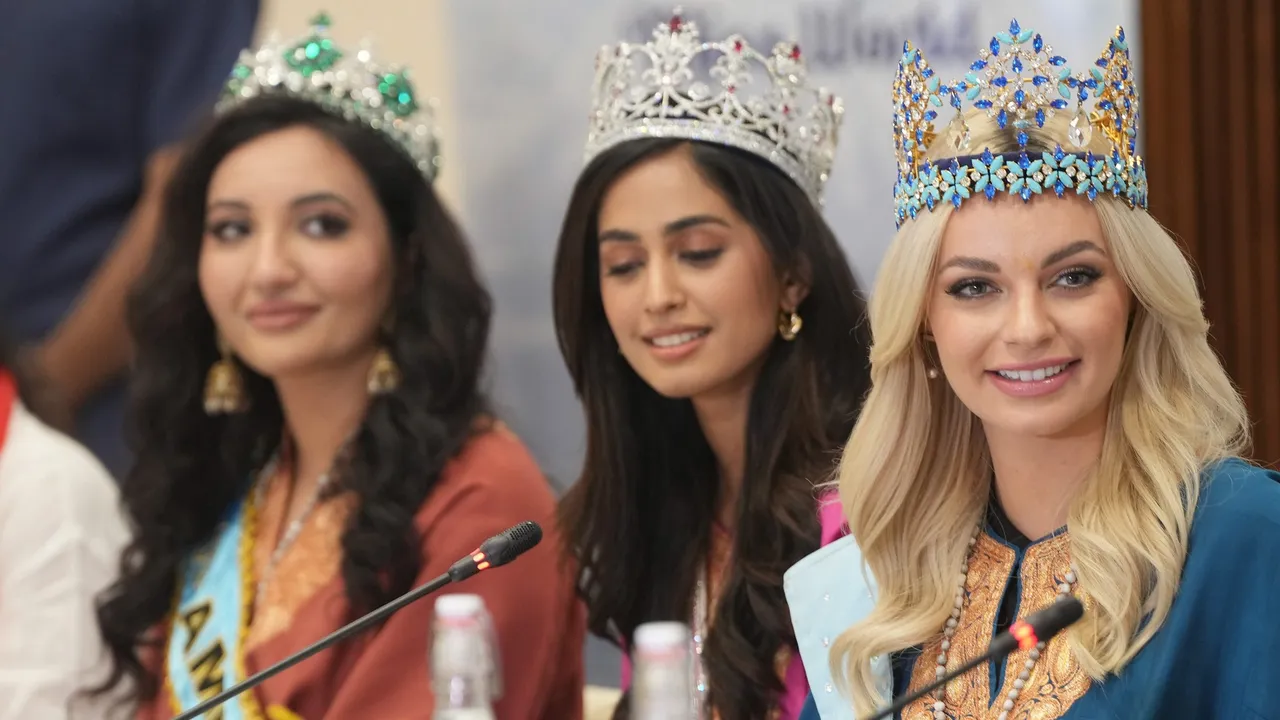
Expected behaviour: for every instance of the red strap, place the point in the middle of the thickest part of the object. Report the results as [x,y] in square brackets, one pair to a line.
[8,394]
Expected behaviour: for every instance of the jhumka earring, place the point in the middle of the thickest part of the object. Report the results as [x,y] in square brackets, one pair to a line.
[789,324]
[224,392]
[384,374]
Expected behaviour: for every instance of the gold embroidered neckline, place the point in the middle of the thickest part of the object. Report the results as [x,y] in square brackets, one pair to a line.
[1053,684]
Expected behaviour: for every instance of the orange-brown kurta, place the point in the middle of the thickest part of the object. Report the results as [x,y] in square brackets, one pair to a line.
[493,484]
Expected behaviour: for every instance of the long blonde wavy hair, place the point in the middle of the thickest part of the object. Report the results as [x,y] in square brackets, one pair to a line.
[915,477]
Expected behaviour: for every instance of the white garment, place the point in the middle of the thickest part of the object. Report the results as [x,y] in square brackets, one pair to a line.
[61,532]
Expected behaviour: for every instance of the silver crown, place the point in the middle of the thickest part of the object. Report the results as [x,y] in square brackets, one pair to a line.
[654,90]
[354,87]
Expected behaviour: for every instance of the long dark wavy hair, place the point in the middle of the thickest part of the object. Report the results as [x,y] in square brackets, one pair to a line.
[641,515]
[192,467]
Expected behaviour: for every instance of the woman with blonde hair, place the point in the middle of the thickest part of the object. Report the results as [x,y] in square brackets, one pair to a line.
[1047,418]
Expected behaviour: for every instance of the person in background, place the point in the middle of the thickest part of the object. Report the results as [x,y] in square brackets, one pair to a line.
[714,331]
[312,439]
[1047,420]
[60,540]
[82,170]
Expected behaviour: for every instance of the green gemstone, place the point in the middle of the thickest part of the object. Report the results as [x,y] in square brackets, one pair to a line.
[321,22]
[398,94]
[242,71]
[315,54]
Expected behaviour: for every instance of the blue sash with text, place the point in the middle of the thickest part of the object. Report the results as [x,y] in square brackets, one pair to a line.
[205,654]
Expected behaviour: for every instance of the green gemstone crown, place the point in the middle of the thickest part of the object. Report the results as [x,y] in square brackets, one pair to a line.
[353,86]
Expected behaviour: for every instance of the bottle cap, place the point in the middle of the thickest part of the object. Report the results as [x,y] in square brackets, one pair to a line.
[459,606]
[661,635]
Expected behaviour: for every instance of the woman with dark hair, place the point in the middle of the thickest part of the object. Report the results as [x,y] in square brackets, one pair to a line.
[340,450]
[60,536]
[712,327]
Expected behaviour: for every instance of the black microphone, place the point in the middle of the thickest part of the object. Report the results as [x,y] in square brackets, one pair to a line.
[1025,634]
[494,552]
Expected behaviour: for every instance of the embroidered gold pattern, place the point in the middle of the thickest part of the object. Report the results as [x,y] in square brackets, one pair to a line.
[1056,680]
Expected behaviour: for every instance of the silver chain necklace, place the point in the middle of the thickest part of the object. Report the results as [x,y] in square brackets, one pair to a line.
[295,526]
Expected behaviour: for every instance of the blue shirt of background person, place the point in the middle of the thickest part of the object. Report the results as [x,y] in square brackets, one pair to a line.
[105,92]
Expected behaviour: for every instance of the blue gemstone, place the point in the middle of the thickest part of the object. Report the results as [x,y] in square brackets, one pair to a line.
[1038,43]
[1039,80]
[1019,97]
[1059,104]
[1091,84]
[1024,162]
[1093,193]
[928,72]
[1102,62]
[979,65]
[1026,193]
[1058,187]
[955,168]
[1017,65]
[1084,93]
[1014,28]
[955,101]
[962,86]
[986,156]
[1120,34]
[1022,139]
[1058,154]
[983,104]
[995,46]
[1000,81]
[906,46]
[1057,60]
[990,191]
[1040,117]
[955,199]
[1124,73]
[1105,105]
[1002,119]
[930,116]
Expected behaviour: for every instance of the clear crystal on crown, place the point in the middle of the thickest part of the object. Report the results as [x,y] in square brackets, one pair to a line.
[1080,131]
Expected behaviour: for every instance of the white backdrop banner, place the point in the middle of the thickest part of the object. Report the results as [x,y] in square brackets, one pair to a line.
[521,87]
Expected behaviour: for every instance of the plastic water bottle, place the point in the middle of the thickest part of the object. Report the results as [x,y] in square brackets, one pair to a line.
[464,669]
[662,688]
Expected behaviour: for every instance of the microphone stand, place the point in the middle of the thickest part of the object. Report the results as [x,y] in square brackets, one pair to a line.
[338,636]
[903,702]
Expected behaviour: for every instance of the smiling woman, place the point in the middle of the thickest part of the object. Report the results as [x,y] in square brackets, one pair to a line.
[1082,437]
[312,437]
[714,331]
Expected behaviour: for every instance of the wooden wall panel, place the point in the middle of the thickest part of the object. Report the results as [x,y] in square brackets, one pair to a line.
[1211,106]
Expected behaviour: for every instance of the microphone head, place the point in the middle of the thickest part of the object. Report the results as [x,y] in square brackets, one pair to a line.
[512,542]
[1040,626]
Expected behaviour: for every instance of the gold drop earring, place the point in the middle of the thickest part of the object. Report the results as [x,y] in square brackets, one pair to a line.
[224,392]
[789,324]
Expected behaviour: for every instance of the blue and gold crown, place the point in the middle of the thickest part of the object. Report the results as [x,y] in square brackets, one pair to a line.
[679,86]
[354,87]
[1018,81]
